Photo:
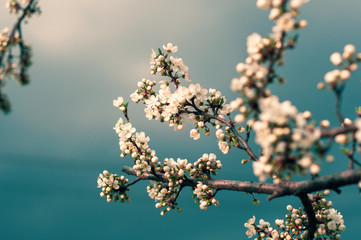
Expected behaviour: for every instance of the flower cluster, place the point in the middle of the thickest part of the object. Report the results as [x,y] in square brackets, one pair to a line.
[136,145]
[10,68]
[14,6]
[286,138]
[175,170]
[15,65]
[199,105]
[168,106]
[192,102]
[144,91]
[4,40]
[347,62]
[165,194]
[263,228]
[254,75]
[330,223]
[224,137]
[204,196]
[113,187]
[285,20]
[206,166]
[172,67]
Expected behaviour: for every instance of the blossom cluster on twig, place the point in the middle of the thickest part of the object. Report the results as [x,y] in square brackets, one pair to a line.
[330,223]
[135,144]
[113,187]
[15,54]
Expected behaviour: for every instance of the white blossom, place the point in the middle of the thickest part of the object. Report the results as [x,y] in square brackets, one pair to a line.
[336,58]
[118,102]
[170,48]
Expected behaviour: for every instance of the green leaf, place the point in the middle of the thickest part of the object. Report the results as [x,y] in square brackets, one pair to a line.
[345,151]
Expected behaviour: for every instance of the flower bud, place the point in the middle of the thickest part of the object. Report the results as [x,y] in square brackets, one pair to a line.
[348,51]
[336,58]
[341,139]
[315,168]
[325,123]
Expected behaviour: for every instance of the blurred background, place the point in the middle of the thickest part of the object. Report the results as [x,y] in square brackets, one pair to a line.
[59,136]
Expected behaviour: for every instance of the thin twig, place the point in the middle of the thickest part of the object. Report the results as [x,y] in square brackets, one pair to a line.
[239,137]
[229,124]
[178,193]
[134,182]
[338,93]
[350,155]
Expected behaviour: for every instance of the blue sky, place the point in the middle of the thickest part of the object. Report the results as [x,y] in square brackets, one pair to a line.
[59,135]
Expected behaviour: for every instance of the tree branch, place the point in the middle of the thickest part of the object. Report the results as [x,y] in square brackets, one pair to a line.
[328,133]
[14,39]
[312,222]
[298,188]
[17,27]
[239,138]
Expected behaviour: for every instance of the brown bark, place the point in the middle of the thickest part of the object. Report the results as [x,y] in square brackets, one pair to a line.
[297,188]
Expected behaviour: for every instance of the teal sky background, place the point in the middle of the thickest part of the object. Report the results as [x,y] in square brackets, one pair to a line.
[59,136]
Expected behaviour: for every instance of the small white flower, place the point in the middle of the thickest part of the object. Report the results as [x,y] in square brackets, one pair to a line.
[223,146]
[251,229]
[342,228]
[325,123]
[331,225]
[264,4]
[153,55]
[295,4]
[305,162]
[279,222]
[274,13]
[315,168]
[117,102]
[341,139]
[194,133]
[345,74]
[302,23]
[170,48]
[284,23]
